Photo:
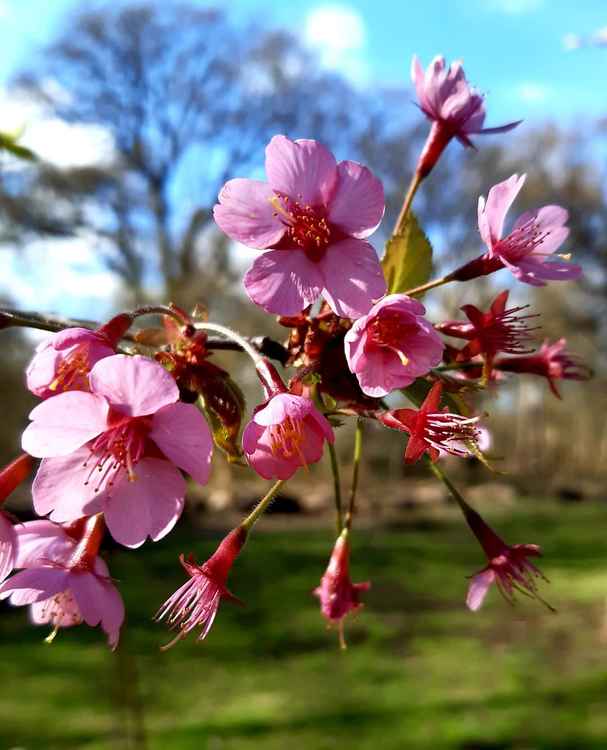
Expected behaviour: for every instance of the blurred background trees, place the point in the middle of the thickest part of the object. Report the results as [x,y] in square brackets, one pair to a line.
[189,99]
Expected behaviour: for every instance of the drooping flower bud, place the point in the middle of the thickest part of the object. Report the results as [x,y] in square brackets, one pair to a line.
[195,604]
[338,595]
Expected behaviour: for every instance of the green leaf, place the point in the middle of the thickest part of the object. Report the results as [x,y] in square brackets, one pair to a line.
[407,262]
[8,142]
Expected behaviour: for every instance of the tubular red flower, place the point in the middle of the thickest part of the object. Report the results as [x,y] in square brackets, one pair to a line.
[509,567]
[195,604]
[337,594]
[433,431]
[551,361]
[497,330]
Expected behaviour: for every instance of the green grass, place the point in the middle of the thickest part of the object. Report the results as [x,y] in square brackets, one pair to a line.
[421,672]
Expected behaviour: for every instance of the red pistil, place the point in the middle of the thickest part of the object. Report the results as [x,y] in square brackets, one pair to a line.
[119,447]
[306,225]
[390,330]
[73,370]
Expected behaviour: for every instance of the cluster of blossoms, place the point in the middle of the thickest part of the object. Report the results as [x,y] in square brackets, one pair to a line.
[116,429]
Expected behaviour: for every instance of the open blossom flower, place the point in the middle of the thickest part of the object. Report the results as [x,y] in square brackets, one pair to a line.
[195,604]
[509,567]
[497,330]
[456,109]
[10,478]
[62,362]
[286,433]
[117,449]
[392,345]
[63,586]
[338,595]
[312,217]
[431,430]
[527,249]
[551,361]
[8,546]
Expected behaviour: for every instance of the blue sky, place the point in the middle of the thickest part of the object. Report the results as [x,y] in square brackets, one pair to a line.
[512,49]
[535,60]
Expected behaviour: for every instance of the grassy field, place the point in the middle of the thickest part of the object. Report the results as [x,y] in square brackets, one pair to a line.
[421,672]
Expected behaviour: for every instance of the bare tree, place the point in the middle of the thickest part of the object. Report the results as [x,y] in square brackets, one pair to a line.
[189,100]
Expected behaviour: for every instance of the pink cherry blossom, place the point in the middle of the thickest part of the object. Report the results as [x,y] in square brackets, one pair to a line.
[431,430]
[338,595]
[117,449]
[63,587]
[456,109]
[8,546]
[509,567]
[11,476]
[313,217]
[286,433]
[527,249]
[62,362]
[392,345]
[551,361]
[195,604]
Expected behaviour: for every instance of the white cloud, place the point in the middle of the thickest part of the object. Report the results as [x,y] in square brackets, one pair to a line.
[54,140]
[572,41]
[532,92]
[66,277]
[514,7]
[337,32]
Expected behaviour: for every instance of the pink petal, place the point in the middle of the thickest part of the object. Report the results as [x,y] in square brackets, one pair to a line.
[417,77]
[355,343]
[538,273]
[499,200]
[134,385]
[64,423]
[182,434]
[8,546]
[353,278]
[478,589]
[149,506]
[40,542]
[34,585]
[41,613]
[283,282]
[258,450]
[323,425]
[358,204]
[68,487]
[281,407]
[42,369]
[304,169]
[382,374]
[246,215]
[88,593]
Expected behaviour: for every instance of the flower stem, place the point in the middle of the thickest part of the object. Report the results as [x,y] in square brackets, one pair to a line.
[455,494]
[170,310]
[358,448]
[412,189]
[336,487]
[261,506]
[230,334]
[429,285]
